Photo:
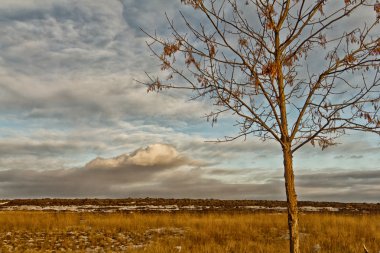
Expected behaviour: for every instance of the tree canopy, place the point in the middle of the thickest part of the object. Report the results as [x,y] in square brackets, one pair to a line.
[327,68]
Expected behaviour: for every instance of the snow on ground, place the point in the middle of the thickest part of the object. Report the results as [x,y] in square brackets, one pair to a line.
[318,209]
[92,208]
[268,208]
[161,208]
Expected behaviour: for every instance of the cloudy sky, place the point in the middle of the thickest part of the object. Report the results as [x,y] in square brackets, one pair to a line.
[75,123]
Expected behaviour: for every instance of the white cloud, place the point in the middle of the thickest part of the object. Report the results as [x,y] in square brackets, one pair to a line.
[156,154]
[108,163]
[153,155]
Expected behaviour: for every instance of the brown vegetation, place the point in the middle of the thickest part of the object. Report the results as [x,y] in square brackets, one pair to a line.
[184,232]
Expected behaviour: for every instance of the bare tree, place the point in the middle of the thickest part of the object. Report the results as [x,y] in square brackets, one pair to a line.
[293,71]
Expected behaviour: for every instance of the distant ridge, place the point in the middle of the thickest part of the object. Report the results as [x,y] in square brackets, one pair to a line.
[172,205]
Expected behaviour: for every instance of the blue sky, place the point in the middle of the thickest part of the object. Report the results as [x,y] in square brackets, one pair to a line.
[68,95]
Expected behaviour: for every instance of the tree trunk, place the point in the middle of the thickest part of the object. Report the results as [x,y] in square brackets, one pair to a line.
[291,198]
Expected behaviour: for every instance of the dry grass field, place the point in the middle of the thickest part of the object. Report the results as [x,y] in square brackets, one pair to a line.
[22,231]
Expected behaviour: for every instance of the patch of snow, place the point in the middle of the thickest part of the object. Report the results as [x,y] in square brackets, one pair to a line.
[318,209]
[164,208]
[309,208]
[161,230]
[161,208]
[253,207]
[331,209]
[275,208]
[192,207]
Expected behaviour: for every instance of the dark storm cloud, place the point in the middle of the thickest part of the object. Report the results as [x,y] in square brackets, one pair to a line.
[129,181]
[194,184]
[340,185]
[97,178]
[158,170]
[161,171]
[339,178]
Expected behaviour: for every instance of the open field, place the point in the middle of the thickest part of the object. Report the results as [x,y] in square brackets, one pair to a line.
[165,232]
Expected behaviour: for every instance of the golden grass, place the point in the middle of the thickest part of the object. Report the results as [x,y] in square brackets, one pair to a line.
[22,231]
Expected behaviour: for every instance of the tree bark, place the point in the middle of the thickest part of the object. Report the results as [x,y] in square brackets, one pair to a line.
[291,198]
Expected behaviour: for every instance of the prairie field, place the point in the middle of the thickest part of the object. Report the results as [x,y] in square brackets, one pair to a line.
[34,231]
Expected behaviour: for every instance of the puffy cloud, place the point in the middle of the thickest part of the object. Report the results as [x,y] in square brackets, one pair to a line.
[156,154]
[153,155]
[108,163]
